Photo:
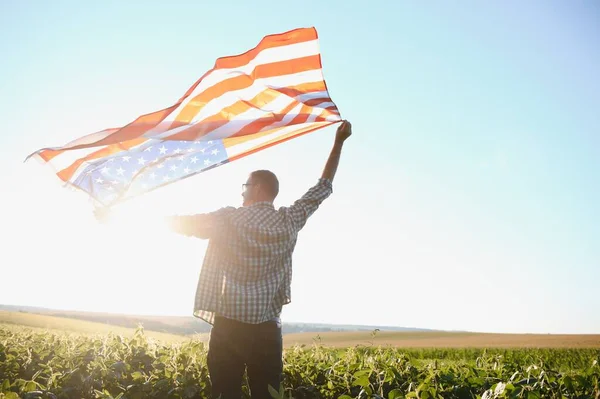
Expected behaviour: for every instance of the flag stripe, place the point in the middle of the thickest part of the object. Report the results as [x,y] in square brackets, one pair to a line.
[260,141]
[49,153]
[67,173]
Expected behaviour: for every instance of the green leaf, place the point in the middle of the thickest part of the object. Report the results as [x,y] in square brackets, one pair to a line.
[329,385]
[361,373]
[11,395]
[30,386]
[395,394]
[362,381]
[136,375]
[344,397]
[274,393]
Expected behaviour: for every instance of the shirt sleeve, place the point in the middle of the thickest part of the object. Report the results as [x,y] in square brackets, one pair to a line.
[202,225]
[303,208]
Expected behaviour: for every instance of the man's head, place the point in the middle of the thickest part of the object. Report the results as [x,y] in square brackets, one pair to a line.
[262,185]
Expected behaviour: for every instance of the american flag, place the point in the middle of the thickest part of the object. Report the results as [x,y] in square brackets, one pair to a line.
[246,103]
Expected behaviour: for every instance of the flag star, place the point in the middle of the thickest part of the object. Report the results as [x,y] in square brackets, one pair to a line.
[174,168]
[148,149]
[163,149]
[161,165]
[202,150]
[190,149]
[99,180]
[194,159]
[214,152]
[141,161]
[210,142]
[176,150]
[126,158]
[186,170]
[111,160]
[181,158]
[153,175]
[89,172]
[197,142]
[207,162]
[120,171]
[114,182]
[105,169]
[166,178]
[110,188]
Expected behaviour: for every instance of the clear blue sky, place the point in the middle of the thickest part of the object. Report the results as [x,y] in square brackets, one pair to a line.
[468,197]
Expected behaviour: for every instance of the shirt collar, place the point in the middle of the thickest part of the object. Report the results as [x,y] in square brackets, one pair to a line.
[262,204]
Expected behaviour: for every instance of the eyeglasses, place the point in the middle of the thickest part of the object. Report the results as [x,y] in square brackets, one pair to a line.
[245,185]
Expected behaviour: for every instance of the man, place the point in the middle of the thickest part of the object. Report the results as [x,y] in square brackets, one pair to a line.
[246,276]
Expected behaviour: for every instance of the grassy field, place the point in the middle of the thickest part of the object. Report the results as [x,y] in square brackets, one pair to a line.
[437,339]
[63,324]
[38,363]
[444,340]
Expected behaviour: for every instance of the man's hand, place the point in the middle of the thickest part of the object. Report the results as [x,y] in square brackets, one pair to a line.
[343,132]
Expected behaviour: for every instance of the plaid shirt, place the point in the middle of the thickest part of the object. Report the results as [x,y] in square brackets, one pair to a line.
[247,269]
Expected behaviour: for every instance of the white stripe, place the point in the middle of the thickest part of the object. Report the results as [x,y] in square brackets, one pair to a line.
[250,144]
[276,82]
[333,117]
[90,138]
[314,113]
[309,96]
[322,106]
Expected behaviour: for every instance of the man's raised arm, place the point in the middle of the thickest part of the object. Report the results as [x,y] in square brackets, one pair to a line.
[303,208]
[343,132]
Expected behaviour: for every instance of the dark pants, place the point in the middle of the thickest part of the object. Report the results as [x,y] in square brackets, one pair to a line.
[233,346]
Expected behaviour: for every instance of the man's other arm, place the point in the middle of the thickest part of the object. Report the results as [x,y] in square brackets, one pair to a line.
[198,225]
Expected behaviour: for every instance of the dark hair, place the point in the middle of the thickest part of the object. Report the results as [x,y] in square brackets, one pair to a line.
[267,180]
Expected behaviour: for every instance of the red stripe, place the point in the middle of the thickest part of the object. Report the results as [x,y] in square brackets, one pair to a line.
[270,144]
[271,41]
[66,173]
